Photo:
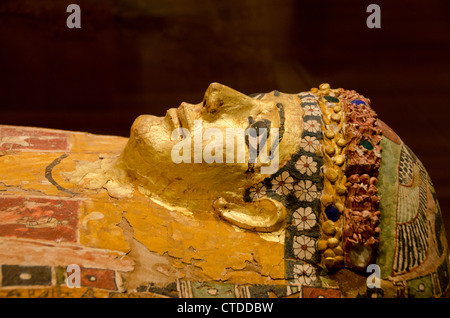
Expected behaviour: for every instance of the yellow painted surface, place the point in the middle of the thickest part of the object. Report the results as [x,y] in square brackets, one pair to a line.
[24,173]
[215,249]
[221,251]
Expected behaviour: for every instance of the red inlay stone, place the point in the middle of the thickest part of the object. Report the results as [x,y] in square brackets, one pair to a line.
[98,278]
[18,138]
[315,292]
[39,218]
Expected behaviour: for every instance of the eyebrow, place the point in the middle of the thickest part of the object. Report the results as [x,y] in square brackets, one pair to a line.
[276,143]
[281,129]
[257,95]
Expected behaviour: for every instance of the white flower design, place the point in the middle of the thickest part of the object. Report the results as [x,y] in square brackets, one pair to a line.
[305,94]
[305,274]
[307,97]
[282,184]
[312,126]
[304,247]
[305,190]
[304,218]
[310,144]
[312,110]
[306,165]
[257,191]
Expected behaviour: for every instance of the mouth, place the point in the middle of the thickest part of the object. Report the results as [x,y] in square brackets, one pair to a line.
[172,118]
[174,121]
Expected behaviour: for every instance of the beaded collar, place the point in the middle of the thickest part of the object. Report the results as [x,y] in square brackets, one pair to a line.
[329,186]
[350,200]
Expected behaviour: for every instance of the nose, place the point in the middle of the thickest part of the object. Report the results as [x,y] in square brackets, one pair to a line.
[220,97]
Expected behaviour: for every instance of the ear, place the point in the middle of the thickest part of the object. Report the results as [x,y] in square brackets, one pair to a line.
[264,215]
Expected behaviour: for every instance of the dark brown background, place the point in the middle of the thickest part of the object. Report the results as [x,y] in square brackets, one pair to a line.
[135,57]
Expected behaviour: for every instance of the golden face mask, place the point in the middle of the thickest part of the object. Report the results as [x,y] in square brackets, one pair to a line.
[203,186]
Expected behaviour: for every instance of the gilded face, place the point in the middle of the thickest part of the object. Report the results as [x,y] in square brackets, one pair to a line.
[149,155]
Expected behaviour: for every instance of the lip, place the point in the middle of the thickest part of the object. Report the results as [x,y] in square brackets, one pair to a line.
[173,119]
[184,118]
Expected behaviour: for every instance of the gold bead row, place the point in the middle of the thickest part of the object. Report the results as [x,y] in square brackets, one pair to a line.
[334,192]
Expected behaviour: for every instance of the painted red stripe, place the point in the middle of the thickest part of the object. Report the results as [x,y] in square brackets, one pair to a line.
[15,138]
[39,218]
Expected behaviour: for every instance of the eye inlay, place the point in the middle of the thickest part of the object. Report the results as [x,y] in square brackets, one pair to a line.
[265,124]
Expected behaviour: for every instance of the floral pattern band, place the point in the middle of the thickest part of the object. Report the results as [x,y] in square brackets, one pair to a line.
[298,185]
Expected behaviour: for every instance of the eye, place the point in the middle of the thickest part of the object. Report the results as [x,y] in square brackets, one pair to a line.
[259,127]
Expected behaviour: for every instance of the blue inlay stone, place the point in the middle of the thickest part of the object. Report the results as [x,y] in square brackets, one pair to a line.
[332,213]
[358,102]
[331,99]
[366,144]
